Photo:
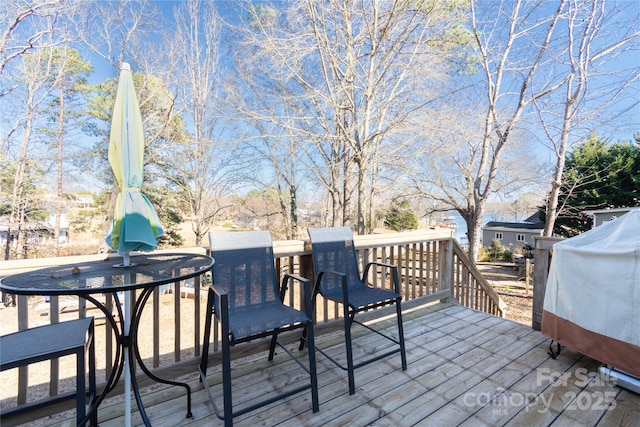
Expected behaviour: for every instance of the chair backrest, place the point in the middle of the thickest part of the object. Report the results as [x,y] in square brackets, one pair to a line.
[333,249]
[244,267]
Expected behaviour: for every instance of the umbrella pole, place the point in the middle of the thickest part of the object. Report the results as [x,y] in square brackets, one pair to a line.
[127,366]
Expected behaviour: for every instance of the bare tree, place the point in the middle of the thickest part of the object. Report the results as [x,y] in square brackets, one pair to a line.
[35,72]
[510,43]
[287,173]
[524,206]
[509,62]
[116,30]
[69,74]
[520,50]
[26,26]
[595,42]
[274,142]
[202,164]
[343,78]
[447,162]
[19,34]
[34,40]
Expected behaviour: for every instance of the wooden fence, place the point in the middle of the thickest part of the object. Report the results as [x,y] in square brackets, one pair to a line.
[432,267]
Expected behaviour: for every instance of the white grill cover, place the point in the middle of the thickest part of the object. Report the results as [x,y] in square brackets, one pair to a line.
[592,299]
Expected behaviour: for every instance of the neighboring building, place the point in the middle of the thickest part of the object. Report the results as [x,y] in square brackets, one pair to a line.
[36,233]
[605,215]
[83,201]
[513,233]
[307,216]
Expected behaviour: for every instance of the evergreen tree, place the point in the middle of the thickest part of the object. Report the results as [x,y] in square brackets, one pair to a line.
[400,216]
[598,175]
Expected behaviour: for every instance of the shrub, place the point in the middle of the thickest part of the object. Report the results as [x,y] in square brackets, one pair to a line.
[495,252]
[400,216]
[483,254]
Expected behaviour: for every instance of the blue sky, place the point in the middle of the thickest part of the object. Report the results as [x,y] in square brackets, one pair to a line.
[229,10]
[622,128]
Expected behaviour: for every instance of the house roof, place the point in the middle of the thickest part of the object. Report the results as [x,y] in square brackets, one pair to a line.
[613,211]
[514,225]
[532,223]
[534,219]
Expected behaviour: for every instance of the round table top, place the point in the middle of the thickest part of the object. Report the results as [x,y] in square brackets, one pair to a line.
[108,275]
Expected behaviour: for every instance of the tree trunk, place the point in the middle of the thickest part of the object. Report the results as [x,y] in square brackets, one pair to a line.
[60,195]
[474,232]
[361,199]
[347,191]
[293,210]
[17,218]
[335,209]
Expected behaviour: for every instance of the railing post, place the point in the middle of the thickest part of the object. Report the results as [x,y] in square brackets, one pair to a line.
[196,315]
[23,323]
[542,261]
[54,317]
[446,268]
[306,267]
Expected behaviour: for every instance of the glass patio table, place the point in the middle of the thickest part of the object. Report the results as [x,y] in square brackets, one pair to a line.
[87,279]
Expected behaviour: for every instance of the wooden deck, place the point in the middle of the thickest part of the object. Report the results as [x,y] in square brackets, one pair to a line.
[464,368]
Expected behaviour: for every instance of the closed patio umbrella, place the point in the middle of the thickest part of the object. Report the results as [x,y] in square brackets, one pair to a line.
[135,223]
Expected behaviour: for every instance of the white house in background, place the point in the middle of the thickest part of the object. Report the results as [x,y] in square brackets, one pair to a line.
[516,234]
[83,201]
[37,233]
[601,216]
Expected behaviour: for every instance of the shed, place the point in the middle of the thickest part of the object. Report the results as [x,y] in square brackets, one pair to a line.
[602,216]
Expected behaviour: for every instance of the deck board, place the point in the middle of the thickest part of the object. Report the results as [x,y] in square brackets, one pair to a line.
[464,368]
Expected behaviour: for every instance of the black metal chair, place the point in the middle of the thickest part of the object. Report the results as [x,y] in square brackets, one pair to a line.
[338,279]
[245,299]
[48,342]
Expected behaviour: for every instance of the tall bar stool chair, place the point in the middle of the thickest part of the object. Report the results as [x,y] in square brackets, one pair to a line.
[73,337]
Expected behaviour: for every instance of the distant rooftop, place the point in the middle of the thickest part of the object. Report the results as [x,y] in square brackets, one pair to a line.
[532,223]
[518,225]
[534,219]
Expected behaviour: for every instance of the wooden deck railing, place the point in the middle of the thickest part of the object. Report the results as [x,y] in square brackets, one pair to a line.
[471,289]
[432,266]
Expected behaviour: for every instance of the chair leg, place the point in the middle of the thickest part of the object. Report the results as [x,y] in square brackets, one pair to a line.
[347,338]
[403,354]
[303,338]
[311,315]
[92,380]
[226,381]
[207,335]
[81,386]
[312,368]
[272,347]
[226,361]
